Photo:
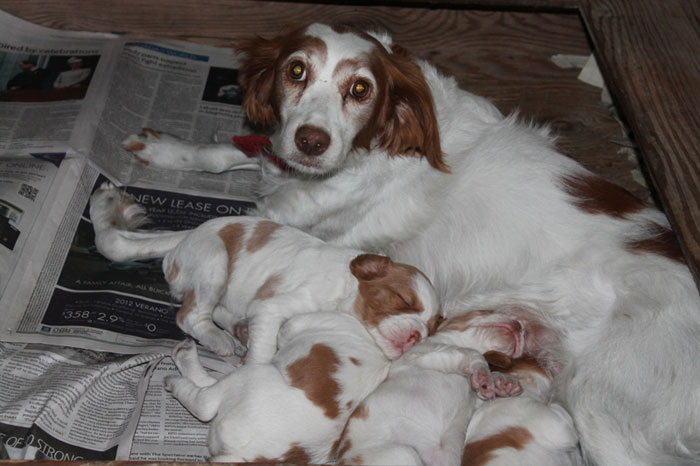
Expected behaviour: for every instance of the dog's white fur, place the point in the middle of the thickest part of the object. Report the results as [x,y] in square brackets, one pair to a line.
[513,222]
[233,269]
[295,408]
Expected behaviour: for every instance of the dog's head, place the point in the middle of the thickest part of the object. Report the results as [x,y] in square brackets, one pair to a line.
[396,303]
[330,91]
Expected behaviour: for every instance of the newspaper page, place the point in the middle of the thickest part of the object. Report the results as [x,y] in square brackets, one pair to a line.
[69,404]
[39,167]
[98,394]
[70,294]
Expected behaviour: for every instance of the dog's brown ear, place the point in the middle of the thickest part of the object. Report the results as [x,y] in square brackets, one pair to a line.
[368,267]
[257,79]
[406,111]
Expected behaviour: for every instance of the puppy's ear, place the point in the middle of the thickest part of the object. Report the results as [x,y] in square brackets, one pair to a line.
[257,79]
[406,111]
[368,267]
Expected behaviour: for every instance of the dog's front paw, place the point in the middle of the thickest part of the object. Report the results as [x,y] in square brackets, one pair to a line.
[158,150]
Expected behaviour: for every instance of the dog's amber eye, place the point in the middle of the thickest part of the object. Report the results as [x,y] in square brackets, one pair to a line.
[297,71]
[359,89]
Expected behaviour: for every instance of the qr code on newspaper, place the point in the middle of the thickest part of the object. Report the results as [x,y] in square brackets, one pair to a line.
[28,191]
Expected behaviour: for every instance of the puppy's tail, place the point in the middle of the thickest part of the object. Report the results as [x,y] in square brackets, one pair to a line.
[116,218]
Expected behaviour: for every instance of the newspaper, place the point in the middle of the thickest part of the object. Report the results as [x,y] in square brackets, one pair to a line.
[84,342]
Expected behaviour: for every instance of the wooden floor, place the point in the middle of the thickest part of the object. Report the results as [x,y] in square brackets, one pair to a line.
[501,49]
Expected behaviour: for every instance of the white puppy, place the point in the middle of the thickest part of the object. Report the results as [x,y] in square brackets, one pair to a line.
[245,268]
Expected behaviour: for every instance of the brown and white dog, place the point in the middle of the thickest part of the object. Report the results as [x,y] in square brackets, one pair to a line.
[234,269]
[294,408]
[384,153]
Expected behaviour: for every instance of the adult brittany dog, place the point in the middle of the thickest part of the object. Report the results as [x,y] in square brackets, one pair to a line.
[378,151]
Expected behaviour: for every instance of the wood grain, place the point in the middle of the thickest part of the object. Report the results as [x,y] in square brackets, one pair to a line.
[650,53]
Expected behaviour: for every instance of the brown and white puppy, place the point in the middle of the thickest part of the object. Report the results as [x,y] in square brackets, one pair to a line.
[294,408]
[529,429]
[234,269]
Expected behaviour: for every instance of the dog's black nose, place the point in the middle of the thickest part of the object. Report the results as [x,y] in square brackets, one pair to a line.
[312,140]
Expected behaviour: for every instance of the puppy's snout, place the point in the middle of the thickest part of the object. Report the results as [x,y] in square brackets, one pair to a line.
[312,140]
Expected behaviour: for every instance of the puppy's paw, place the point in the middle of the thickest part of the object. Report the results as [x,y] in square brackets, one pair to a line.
[182,349]
[219,342]
[482,381]
[506,385]
[240,331]
[185,355]
[170,381]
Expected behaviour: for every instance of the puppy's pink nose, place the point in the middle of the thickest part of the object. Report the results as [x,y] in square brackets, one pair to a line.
[312,140]
[412,339]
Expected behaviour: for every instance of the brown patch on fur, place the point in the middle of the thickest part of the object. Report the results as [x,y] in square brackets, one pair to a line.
[461,322]
[189,301]
[145,132]
[355,361]
[313,375]
[295,455]
[262,73]
[480,452]
[261,235]
[434,323]
[661,241]
[385,289]
[232,237]
[596,195]
[135,146]
[267,290]
[347,444]
[173,272]
[404,115]
[361,412]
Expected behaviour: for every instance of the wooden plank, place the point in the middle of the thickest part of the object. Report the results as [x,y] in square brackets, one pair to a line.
[650,53]
[513,5]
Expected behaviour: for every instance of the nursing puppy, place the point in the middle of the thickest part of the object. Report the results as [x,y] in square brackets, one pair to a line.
[294,408]
[526,430]
[420,413]
[529,429]
[233,269]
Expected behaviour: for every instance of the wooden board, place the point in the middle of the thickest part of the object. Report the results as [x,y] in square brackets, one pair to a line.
[650,52]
